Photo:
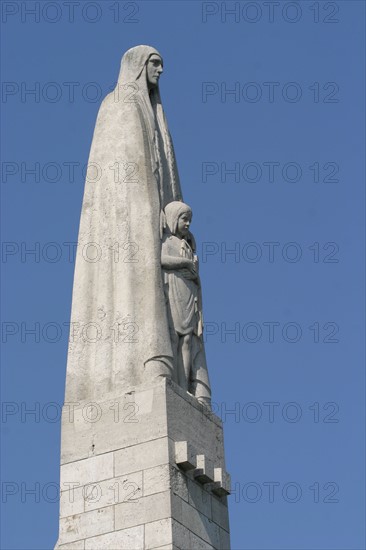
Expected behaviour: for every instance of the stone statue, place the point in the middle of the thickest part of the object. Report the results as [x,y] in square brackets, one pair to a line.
[125,329]
[136,355]
[119,333]
[183,289]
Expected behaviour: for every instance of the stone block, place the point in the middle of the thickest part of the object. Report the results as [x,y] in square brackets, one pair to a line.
[224,540]
[158,533]
[157,479]
[131,539]
[222,484]
[113,491]
[220,513]
[141,457]
[78,545]
[190,421]
[117,422]
[179,483]
[88,470]
[185,456]
[197,543]
[134,477]
[71,502]
[200,525]
[86,525]
[181,536]
[199,498]
[143,510]
[205,470]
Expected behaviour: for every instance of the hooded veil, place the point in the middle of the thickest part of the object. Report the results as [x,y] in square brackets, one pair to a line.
[119,325]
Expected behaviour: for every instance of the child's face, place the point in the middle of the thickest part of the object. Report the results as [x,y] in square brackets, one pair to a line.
[184,221]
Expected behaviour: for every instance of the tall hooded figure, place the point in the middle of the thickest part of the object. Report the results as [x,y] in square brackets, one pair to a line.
[119,333]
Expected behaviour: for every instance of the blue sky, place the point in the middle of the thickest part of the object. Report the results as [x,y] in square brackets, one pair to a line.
[274,94]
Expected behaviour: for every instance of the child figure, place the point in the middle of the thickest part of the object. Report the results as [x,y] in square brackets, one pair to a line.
[183,291]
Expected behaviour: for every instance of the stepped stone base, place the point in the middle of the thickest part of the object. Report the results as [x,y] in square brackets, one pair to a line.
[143,470]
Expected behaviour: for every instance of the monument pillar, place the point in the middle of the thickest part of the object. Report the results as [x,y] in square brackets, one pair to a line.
[142,456]
[143,470]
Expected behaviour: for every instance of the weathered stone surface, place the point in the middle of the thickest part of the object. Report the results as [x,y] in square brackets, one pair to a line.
[199,498]
[157,479]
[144,510]
[125,488]
[79,545]
[158,533]
[224,540]
[200,525]
[199,544]
[86,525]
[89,470]
[131,539]
[186,540]
[181,535]
[185,456]
[220,513]
[71,502]
[137,416]
[190,421]
[142,457]
[222,484]
[179,483]
[205,469]
[138,487]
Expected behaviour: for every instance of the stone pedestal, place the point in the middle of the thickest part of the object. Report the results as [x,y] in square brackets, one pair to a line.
[143,470]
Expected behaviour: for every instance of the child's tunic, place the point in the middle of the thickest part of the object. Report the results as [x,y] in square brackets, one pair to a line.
[183,293]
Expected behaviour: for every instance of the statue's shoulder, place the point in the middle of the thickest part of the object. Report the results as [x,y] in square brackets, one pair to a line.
[108,99]
[171,245]
[106,108]
[115,111]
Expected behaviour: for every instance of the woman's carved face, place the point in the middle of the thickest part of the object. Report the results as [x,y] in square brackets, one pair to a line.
[154,68]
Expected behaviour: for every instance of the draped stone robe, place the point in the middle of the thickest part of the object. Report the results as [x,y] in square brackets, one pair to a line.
[119,320]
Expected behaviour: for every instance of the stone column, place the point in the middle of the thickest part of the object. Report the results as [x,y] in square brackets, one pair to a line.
[143,470]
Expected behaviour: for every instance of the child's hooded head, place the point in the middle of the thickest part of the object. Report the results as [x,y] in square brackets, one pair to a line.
[173,211]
